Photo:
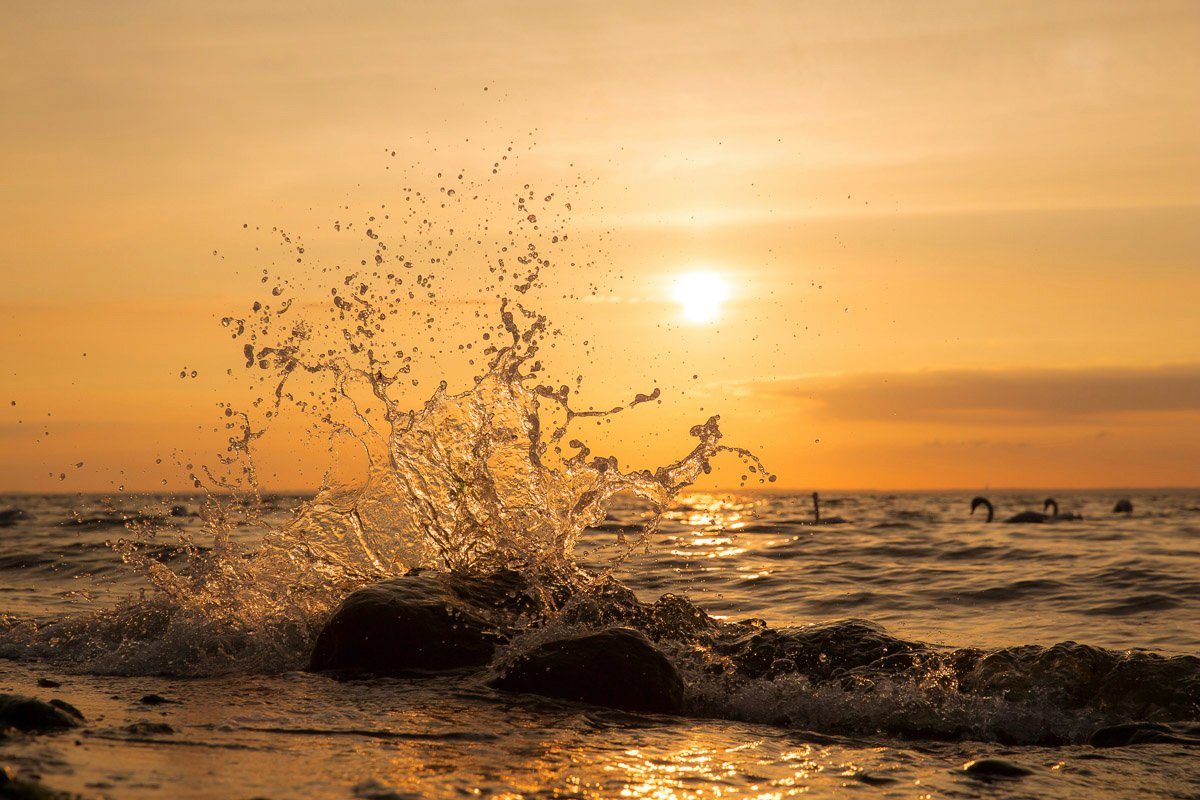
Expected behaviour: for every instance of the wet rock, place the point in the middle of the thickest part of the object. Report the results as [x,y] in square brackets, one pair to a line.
[154,700]
[1134,733]
[618,668]
[30,715]
[63,705]
[989,769]
[46,683]
[423,621]
[148,728]
[868,778]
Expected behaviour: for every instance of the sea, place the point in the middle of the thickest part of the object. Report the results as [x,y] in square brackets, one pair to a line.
[904,647]
[241,722]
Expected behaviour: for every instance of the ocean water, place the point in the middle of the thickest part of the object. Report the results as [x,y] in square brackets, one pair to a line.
[877,657]
[919,565]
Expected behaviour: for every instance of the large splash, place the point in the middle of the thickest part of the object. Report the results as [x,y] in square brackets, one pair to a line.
[490,476]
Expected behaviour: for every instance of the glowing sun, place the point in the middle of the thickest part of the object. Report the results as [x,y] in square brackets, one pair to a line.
[700,295]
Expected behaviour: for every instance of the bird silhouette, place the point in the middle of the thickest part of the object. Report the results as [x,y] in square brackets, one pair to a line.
[1025,517]
[817,520]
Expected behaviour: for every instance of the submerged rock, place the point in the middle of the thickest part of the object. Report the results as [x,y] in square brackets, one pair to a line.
[144,728]
[30,715]
[992,768]
[617,668]
[423,621]
[154,700]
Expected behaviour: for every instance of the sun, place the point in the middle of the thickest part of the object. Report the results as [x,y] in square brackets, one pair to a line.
[700,295]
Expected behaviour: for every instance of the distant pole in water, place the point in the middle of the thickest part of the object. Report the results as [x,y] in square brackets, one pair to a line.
[816,507]
[1123,506]
[983,501]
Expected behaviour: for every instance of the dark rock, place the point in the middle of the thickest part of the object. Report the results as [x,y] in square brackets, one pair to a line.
[617,668]
[424,621]
[31,715]
[154,700]
[63,705]
[994,768]
[46,683]
[148,728]
[869,778]
[11,516]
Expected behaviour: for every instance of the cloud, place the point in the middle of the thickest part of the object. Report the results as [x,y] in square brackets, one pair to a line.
[1016,396]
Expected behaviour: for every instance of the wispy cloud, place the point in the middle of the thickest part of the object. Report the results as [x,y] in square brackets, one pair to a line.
[1018,396]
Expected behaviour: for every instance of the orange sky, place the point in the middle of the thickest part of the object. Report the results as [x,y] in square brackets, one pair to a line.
[962,238]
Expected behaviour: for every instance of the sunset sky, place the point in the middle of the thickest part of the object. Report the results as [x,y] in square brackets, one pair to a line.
[960,240]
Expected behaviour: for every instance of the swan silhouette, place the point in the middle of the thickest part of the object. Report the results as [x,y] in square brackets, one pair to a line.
[816,498]
[983,501]
[1055,516]
[1124,506]
[1025,517]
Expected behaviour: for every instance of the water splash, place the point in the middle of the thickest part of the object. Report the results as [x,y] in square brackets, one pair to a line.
[483,478]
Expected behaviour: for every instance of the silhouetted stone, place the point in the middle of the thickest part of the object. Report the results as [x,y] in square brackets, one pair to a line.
[154,700]
[424,621]
[63,705]
[46,683]
[148,728]
[993,768]
[30,715]
[617,668]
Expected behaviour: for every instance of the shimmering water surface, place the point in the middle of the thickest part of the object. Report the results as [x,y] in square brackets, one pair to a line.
[918,564]
[214,601]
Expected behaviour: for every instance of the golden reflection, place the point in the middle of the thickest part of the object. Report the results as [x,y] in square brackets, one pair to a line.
[701,772]
[710,517]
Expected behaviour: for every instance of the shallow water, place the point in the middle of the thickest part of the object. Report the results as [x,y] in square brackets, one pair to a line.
[918,564]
